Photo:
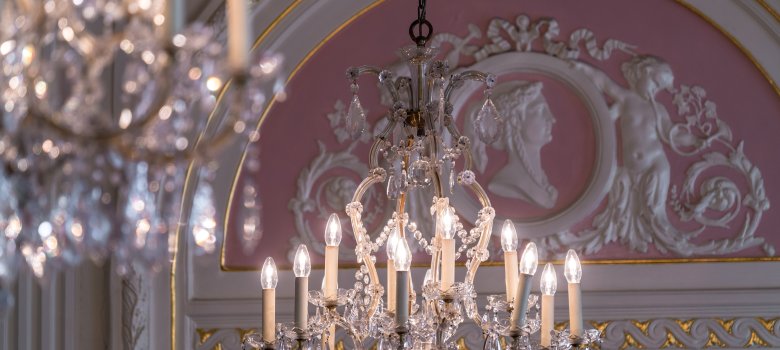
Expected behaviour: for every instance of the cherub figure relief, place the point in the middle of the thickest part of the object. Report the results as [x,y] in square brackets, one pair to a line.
[637,203]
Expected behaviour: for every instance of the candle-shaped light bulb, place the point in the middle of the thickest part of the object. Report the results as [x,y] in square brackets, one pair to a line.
[549,282]
[530,259]
[302,263]
[403,255]
[392,241]
[302,268]
[332,240]
[333,231]
[509,244]
[269,278]
[573,272]
[448,223]
[572,268]
[508,236]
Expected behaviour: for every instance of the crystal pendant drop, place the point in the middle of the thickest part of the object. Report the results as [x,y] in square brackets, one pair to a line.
[252,230]
[450,169]
[203,220]
[252,208]
[392,190]
[396,185]
[356,118]
[488,122]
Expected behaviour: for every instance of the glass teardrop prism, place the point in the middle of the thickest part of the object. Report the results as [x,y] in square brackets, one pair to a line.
[396,185]
[356,118]
[488,122]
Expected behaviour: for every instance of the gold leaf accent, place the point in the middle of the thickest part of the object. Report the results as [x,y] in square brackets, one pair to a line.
[756,340]
[242,333]
[600,326]
[768,324]
[462,344]
[642,326]
[561,325]
[630,342]
[340,345]
[205,334]
[685,325]
[671,341]
[726,324]
[713,341]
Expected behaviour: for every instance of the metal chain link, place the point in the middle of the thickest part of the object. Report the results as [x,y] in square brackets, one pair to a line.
[421,11]
[417,31]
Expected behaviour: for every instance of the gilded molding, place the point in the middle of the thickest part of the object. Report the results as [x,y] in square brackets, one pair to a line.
[662,333]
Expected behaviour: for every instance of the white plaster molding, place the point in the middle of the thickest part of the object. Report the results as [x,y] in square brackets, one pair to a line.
[748,28]
[581,85]
[206,292]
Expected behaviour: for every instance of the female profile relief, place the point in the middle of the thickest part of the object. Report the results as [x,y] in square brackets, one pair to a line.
[528,128]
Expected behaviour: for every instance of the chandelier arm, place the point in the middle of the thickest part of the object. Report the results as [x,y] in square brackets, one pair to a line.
[357,341]
[384,75]
[456,81]
[106,135]
[221,135]
[468,157]
[373,154]
[354,210]
[484,238]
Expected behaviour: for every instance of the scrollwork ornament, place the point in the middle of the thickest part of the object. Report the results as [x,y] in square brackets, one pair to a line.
[641,195]
[332,195]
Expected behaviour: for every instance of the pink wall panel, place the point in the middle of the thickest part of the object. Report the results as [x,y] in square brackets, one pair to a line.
[696,51]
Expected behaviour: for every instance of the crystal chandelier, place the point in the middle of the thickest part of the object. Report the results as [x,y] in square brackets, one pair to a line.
[421,148]
[105,106]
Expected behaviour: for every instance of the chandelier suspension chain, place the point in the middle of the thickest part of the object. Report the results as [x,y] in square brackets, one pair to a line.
[416,29]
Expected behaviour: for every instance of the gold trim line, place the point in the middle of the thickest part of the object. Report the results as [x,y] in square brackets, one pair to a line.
[267,110]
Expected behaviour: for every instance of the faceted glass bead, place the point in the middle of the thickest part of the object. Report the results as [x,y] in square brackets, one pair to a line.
[356,118]
[488,122]
[420,173]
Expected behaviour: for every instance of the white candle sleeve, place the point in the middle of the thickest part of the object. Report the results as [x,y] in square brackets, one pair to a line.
[269,315]
[238,35]
[390,286]
[447,263]
[402,297]
[301,302]
[174,18]
[575,309]
[548,319]
[510,274]
[331,272]
[521,301]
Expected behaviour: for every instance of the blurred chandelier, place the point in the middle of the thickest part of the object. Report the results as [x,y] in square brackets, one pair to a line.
[420,148]
[105,105]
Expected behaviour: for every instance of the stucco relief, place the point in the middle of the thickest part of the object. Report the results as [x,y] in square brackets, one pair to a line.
[528,128]
[643,207]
